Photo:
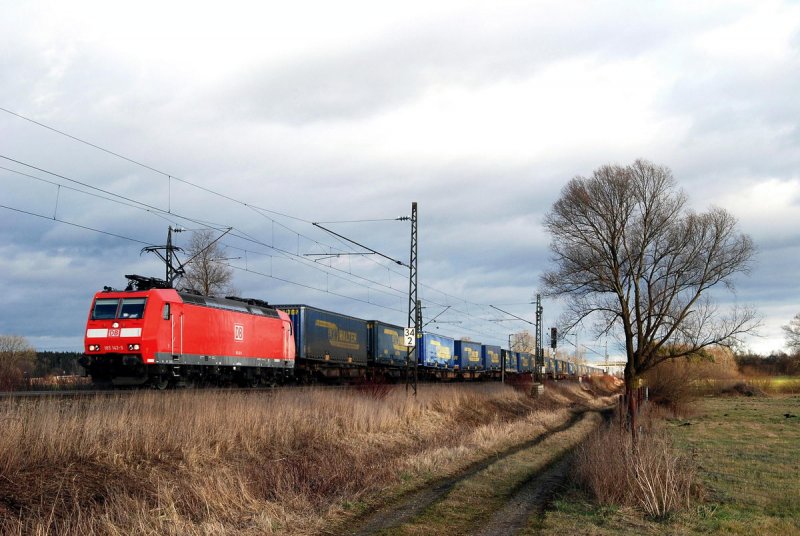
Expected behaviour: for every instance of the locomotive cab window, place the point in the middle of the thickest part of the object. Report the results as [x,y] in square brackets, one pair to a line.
[105,309]
[165,312]
[132,308]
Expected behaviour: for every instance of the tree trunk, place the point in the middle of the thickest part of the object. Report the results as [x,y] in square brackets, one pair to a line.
[631,397]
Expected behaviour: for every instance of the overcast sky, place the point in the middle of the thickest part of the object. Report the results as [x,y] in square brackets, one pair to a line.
[267,116]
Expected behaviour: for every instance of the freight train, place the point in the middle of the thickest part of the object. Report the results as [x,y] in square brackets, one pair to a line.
[151,335]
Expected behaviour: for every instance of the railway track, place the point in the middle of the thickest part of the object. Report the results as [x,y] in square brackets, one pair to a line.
[124,391]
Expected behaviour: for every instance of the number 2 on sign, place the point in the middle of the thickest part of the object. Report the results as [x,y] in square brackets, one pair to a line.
[410,336]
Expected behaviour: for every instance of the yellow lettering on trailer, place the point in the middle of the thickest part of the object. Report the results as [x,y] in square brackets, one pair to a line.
[340,338]
[397,339]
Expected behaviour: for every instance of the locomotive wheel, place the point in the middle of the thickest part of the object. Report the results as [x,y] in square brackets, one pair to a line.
[161,383]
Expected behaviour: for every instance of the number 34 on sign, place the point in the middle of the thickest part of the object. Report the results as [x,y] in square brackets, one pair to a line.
[410,336]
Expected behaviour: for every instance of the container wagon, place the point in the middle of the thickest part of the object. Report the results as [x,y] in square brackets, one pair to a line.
[468,358]
[435,354]
[490,358]
[329,345]
[524,362]
[385,347]
[509,359]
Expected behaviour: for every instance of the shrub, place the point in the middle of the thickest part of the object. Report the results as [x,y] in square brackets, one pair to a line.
[17,358]
[651,475]
[677,382]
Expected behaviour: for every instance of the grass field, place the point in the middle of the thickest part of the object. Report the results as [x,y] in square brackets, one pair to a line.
[776,384]
[288,462]
[748,452]
[772,385]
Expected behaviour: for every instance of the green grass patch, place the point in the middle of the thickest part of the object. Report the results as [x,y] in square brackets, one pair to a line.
[748,453]
[776,384]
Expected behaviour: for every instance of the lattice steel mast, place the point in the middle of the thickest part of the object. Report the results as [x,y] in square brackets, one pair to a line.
[539,346]
[414,308]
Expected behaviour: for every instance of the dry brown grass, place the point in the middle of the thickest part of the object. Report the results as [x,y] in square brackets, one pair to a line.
[243,463]
[677,383]
[651,474]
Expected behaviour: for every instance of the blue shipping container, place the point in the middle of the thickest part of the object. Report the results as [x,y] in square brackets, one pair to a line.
[326,336]
[468,355]
[510,359]
[386,344]
[435,351]
[524,362]
[490,357]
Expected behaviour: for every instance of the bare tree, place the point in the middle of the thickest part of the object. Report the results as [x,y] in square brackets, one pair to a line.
[523,342]
[631,255]
[206,271]
[792,331]
[16,358]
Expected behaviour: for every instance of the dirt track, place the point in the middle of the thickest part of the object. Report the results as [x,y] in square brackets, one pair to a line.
[532,499]
[529,499]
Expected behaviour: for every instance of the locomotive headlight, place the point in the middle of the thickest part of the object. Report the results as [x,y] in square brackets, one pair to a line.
[115,325]
[94,347]
[133,347]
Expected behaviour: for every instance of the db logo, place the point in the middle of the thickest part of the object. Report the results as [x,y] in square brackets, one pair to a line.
[113,333]
[238,332]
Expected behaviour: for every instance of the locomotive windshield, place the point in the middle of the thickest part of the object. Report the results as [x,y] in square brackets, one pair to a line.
[132,308]
[111,308]
[104,309]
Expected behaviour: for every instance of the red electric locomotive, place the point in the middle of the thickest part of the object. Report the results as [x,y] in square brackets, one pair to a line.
[161,336]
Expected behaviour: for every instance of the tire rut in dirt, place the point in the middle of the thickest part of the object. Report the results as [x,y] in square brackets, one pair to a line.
[534,497]
[414,503]
[531,499]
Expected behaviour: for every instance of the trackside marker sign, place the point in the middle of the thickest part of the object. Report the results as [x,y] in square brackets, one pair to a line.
[410,337]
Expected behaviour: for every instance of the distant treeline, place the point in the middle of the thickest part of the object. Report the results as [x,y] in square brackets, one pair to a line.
[772,365]
[56,364]
[66,363]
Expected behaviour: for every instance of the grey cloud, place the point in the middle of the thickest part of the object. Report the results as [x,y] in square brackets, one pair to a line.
[387,73]
[227,137]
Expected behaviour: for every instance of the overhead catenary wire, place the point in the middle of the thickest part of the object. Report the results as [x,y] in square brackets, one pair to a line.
[153,211]
[133,203]
[84,227]
[84,192]
[137,162]
[256,272]
[123,237]
[171,176]
[168,215]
